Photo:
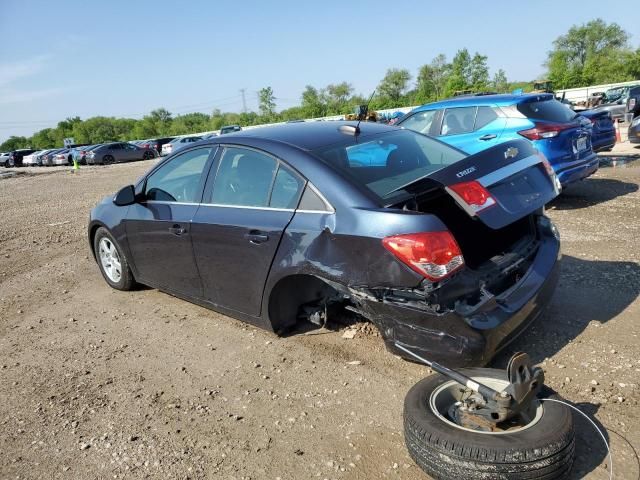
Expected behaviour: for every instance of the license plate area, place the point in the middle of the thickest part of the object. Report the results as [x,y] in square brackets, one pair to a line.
[581,144]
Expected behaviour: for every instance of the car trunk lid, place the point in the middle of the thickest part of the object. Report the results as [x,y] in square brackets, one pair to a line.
[517,177]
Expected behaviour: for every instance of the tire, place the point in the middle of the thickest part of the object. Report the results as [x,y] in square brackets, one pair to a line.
[107,160]
[125,281]
[147,156]
[543,450]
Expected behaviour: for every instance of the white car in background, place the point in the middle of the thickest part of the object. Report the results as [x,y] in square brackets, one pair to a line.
[177,143]
[35,158]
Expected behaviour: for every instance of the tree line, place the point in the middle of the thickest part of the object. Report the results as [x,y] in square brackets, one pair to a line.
[588,54]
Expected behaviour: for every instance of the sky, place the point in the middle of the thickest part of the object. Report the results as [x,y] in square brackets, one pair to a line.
[125,58]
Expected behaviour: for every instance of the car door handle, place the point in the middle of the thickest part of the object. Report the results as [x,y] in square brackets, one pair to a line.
[488,136]
[178,230]
[256,237]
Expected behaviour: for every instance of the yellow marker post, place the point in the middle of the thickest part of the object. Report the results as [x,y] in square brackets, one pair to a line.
[76,166]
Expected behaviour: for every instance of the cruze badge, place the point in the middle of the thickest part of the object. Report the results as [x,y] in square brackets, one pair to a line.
[465,172]
[511,152]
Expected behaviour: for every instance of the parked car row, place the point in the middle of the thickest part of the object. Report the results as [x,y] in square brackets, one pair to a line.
[89,154]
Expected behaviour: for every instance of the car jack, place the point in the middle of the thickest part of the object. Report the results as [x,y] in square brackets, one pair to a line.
[484,408]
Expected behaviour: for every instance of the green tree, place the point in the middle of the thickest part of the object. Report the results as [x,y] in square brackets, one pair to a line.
[500,82]
[13,143]
[432,79]
[267,103]
[479,73]
[313,102]
[394,85]
[460,77]
[337,98]
[594,52]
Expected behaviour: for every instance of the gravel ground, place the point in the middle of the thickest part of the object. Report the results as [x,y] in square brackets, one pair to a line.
[96,383]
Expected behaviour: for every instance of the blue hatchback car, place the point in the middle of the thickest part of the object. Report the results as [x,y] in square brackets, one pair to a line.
[475,123]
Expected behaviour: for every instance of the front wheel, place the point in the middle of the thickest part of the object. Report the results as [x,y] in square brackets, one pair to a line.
[538,444]
[147,156]
[112,261]
[107,160]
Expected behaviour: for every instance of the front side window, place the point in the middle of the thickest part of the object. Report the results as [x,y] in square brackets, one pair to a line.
[179,179]
[458,120]
[420,121]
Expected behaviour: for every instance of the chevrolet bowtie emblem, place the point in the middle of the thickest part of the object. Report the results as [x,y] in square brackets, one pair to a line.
[511,152]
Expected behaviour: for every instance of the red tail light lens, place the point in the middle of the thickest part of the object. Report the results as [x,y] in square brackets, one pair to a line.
[473,195]
[544,130]
[434,255]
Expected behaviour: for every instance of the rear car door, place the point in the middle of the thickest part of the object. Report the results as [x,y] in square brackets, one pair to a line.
[159,227]
[472,129]
[236,232]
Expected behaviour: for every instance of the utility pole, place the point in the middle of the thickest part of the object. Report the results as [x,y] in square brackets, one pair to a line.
[244,100]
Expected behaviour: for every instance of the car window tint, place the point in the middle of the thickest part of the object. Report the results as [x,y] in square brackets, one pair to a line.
[286,189]
[370,154]
[484,117]
[420,121]
[549,110]
[458,120]
[312,201]
[179,179]
[244,178]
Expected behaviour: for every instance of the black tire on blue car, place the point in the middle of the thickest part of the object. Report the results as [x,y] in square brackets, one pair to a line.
[542,449]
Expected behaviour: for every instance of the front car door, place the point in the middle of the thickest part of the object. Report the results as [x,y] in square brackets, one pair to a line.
[159,227]
[236,232]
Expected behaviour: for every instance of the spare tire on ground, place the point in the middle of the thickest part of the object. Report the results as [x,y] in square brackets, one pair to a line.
[537,445]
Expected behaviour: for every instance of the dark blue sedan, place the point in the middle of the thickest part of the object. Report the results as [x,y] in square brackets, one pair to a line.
[448,254]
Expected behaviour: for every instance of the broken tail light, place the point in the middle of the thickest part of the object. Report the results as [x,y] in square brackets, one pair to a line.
[434,255]
[541,131]
[472,195]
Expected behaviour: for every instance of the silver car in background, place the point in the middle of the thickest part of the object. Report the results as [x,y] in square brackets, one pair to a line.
[118,152]
[178,143]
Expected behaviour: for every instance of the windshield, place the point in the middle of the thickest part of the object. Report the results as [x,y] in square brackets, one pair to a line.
[385,162]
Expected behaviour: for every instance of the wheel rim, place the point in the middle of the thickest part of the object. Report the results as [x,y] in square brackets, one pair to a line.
[110,260]
[108,159]
[445,396]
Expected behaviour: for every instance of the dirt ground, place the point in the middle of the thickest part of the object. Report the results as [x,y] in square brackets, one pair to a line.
[96,383]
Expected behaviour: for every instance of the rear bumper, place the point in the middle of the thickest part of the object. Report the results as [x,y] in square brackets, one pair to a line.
[572,172]
[455,340]
[603,143]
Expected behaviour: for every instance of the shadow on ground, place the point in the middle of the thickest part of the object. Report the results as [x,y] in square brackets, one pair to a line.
[577,302]
[592,191]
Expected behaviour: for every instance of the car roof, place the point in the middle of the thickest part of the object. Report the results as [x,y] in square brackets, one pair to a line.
[306,135]
[479,100]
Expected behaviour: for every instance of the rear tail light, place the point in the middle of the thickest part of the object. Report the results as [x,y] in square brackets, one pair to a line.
[434,255]
[544,130]
[472,195]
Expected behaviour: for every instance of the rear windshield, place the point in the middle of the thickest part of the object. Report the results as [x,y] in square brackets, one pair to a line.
[385,162]
[549,110]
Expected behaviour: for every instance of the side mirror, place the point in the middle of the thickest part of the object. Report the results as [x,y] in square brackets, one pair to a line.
[126,196]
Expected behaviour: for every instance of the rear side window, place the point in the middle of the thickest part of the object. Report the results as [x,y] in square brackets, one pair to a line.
[547,110]
[458,120]
[286,189]
[420,121]
[484,117]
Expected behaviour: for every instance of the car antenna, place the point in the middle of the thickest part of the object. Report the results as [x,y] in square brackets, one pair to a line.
[350,129]
[365,113]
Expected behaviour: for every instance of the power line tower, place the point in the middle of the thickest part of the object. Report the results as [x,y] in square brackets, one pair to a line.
[244,100]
